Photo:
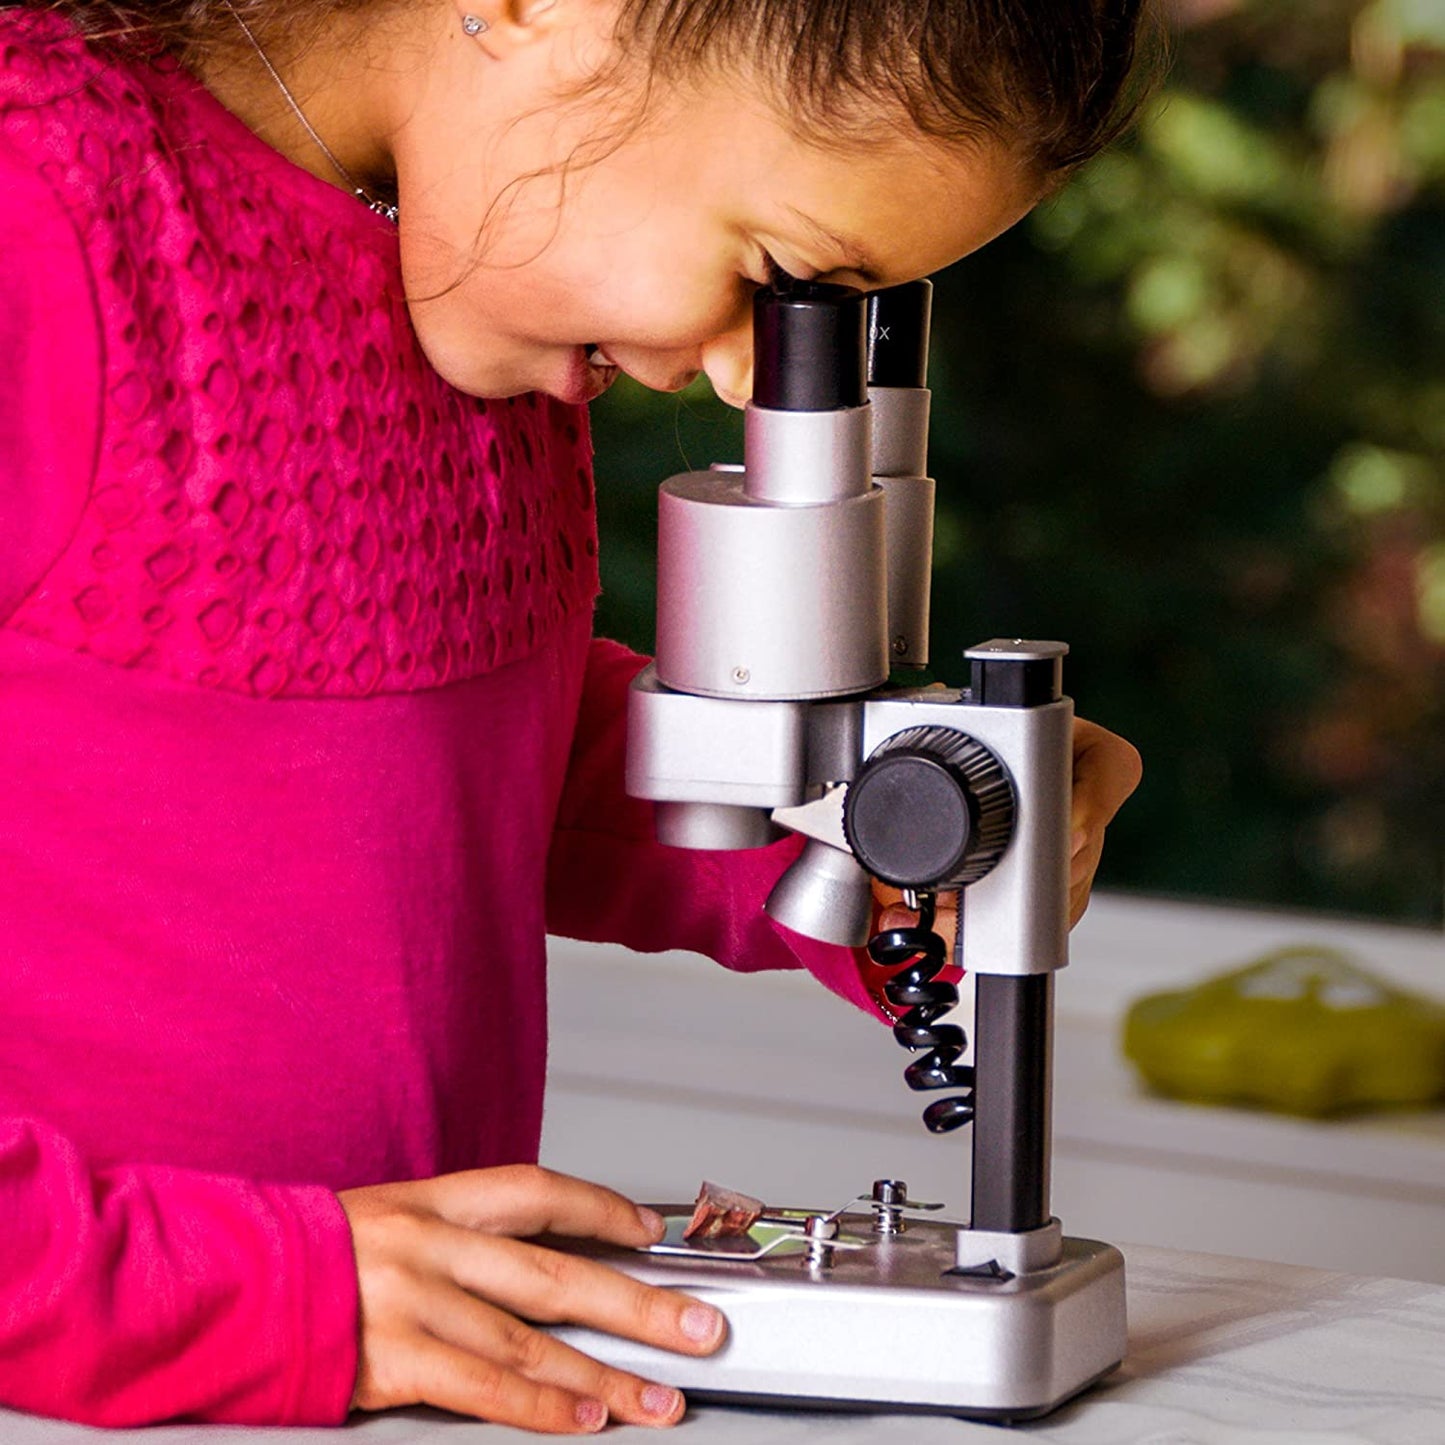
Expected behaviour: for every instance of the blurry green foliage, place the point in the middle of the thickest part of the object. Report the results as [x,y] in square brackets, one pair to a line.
[1190,416]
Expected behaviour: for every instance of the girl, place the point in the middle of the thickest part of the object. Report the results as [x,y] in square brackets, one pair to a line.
[304,740]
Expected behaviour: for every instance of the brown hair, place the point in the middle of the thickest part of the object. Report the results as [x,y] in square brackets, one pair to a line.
[1060,77]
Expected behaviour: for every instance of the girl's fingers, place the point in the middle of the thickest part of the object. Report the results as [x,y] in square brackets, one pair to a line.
[453,1378]
[525,1199]
[475,1326]
[1106,770]
[1079,899]
[439,1305]
[555,1288]
[945,920]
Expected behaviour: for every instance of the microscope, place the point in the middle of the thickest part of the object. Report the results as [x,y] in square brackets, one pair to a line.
[790,588]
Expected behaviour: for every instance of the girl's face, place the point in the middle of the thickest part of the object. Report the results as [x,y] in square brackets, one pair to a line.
[645,256]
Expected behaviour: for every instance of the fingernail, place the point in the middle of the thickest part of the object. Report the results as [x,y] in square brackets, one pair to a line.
[1077,841]
[591,1414]
[701,1323]
[660,1401]
[652,1221]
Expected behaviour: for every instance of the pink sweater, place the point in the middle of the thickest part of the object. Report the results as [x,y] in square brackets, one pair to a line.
[303,746]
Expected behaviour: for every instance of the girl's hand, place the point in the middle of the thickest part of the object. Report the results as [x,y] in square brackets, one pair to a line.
[1106,770]
[447,1285]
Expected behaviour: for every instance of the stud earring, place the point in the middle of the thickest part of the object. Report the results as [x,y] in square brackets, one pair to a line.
[474,24]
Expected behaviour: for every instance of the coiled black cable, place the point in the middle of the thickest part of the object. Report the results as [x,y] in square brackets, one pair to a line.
[917,990]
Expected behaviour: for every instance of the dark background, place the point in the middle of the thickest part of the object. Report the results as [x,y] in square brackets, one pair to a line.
[1190,417]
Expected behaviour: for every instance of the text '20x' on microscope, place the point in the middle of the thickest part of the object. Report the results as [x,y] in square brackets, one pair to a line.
[787,588]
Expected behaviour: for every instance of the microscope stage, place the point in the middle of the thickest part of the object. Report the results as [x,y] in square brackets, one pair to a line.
[889,1324]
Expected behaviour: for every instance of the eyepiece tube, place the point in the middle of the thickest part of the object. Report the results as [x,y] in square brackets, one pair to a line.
[898,324]
[772,582]
[808,348]
[806,430]
[898,327]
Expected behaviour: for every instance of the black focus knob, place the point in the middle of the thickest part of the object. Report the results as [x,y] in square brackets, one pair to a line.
[931,808]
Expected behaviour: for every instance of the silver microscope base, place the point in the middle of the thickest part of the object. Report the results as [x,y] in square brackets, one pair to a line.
[887,1326]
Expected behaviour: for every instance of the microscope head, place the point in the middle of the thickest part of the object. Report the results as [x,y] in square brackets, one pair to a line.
[788,587]
[825,894]
[772,577]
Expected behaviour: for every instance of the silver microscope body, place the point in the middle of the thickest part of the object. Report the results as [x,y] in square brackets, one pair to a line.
[787,588]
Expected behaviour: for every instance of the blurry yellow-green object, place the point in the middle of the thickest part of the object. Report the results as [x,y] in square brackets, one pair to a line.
[1301,1031]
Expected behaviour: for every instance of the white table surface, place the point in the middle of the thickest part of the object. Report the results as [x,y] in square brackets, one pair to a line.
[1221,1352]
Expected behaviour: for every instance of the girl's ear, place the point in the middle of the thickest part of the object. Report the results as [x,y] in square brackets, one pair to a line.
[502,27]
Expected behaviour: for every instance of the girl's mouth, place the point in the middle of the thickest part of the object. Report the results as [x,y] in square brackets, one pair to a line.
[589,372]
[601,370]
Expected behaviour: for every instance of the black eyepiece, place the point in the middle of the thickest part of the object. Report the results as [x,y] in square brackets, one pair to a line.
[898,334]
[808,347]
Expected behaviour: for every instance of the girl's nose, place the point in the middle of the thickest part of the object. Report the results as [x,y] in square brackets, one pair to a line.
[728,361]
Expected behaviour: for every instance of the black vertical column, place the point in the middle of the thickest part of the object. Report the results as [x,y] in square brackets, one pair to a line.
[1013,1048]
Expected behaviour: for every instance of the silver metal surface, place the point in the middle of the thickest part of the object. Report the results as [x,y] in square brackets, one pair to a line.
[1028,1252]
[820,818]
[1018,649]
[1016,919]
[889,1197]
[835,741]
[775,602]
[688,749]
[802,458]
[900,430]
[888,1325]
[824,895]
[900,467]
[892,1216]
[717,827]
[910,566]
[821,1231]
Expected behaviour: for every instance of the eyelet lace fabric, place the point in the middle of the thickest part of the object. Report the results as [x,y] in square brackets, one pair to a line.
[287,500]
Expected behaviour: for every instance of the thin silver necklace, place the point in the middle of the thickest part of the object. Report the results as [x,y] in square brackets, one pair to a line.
[375,203]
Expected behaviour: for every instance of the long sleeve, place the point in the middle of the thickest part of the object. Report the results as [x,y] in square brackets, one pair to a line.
[135,1295]
[128,1295]
[609,880]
